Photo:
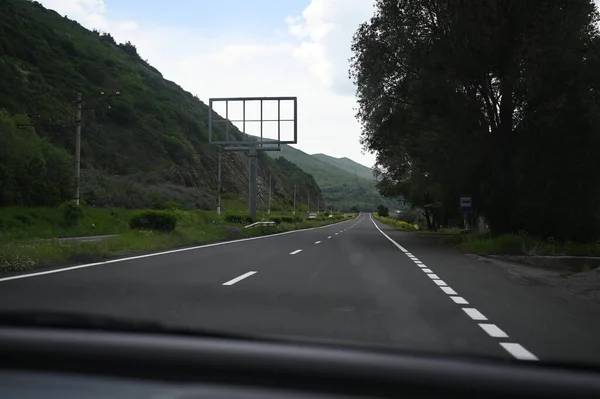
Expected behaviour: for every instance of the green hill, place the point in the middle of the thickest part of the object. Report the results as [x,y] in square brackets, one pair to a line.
[140,148]
[347,165]
[340,188]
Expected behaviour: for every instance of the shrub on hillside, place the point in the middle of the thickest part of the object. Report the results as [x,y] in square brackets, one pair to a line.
[383,210]
[153,220]
[238,218]
[71,213]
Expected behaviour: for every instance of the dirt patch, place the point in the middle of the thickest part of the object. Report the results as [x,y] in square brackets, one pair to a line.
[560,273]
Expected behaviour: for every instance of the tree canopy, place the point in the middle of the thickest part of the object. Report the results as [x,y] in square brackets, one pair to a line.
[495,99]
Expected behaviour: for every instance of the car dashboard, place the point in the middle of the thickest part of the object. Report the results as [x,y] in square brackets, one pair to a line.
[67,363]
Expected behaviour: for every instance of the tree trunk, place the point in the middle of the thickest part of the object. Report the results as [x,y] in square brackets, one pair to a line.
[502,215]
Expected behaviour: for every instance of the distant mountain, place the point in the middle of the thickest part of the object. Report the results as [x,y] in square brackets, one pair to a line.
[348,165]
[340,188]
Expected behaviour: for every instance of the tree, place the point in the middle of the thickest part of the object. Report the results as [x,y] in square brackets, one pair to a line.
[481,97]
[383,210]
[32,171]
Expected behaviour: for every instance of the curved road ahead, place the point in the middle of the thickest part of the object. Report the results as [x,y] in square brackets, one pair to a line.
[355,281]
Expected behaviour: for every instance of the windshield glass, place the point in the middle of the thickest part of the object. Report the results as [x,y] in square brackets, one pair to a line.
[418,175]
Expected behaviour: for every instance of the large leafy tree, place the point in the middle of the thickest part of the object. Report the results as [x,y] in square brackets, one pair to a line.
[495,98]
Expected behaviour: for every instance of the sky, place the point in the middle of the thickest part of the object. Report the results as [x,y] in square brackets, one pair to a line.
[236,48]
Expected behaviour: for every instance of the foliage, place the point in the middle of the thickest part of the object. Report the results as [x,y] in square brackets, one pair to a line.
[398,224]
[238,218]
[71,213]
[153,220]
[523,244]
[32,170]
[482,98]
[141,149]
[194,228]
[383,210]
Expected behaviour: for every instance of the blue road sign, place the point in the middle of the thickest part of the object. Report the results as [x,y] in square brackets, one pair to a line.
[466,205]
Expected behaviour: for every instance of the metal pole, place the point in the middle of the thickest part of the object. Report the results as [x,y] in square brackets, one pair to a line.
[253,159]
[294,211]
[269,211]
[219,195]
[78,148]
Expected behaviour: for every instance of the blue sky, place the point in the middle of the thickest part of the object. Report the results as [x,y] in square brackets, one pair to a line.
[235,48]
[257,17]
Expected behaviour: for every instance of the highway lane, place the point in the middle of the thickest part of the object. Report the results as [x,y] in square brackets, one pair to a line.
[356,281]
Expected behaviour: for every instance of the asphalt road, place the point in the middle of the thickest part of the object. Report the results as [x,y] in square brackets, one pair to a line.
[358,281]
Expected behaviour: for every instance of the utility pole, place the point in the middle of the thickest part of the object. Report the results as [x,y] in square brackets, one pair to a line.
[78,148]
[253,160]
[294,211]
[219,186]
[269,211]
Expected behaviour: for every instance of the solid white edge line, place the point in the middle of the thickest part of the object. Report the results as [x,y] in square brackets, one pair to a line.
[518,351]
[295,252]
[400,247]
[474,314]
[172,251]
[459,300]
[448,290]
[239,278]
[493,330]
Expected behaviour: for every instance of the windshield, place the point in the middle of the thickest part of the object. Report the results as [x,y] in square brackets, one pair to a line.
[416,175]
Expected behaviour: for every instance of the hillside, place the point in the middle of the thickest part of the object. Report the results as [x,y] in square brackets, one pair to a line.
[347,165]
[341,189]
[140,148]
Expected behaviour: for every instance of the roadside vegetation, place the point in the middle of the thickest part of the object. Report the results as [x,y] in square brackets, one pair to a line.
[519,244]
[397,223]
[29,237]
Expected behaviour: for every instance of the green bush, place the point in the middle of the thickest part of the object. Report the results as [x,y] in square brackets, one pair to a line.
[383,210]
[153,220]
[288,219]
[71,213]
[238,218]
[277,219]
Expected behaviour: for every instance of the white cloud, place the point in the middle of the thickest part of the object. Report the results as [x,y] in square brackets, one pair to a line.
[309,62]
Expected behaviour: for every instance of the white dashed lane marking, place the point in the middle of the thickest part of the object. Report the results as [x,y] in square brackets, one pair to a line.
[518,351]
[474,314]
[295,252]
[459,299]
[515,349]
[493,330]
[239,278]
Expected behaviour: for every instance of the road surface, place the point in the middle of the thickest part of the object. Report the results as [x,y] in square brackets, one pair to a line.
[355,281]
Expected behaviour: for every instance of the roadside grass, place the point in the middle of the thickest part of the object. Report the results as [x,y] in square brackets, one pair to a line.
[17,223]
[520,244]
[397,224]
[21,247]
